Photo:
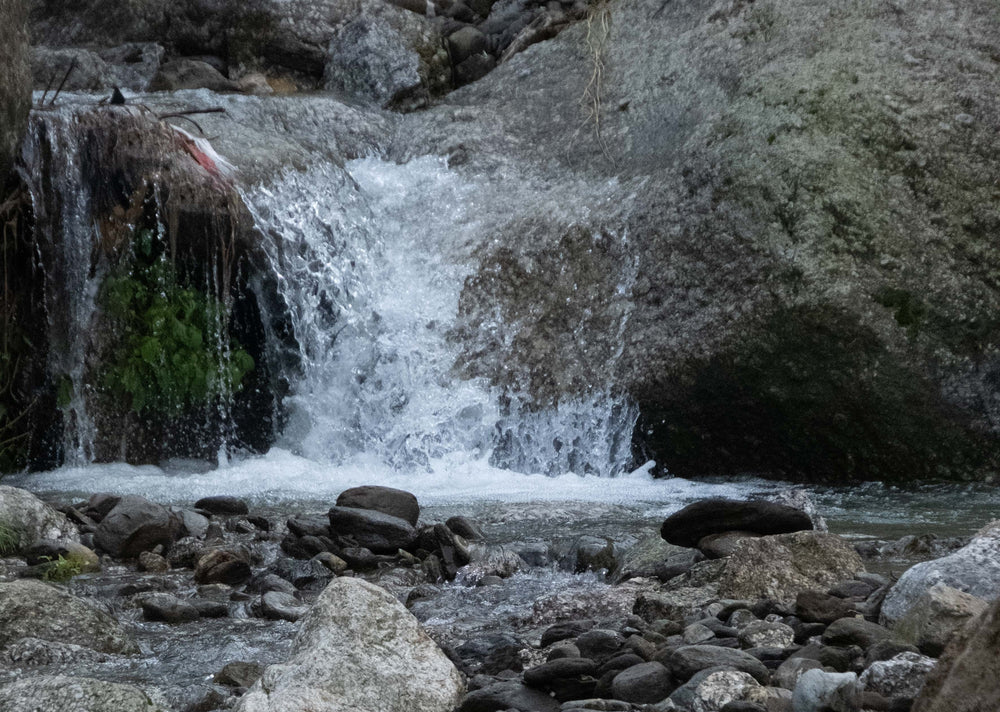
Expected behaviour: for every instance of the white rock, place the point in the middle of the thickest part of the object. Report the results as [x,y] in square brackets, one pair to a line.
[901,676]
[936,615]
[766,634]
[31,519]
[819,691]
[358,650]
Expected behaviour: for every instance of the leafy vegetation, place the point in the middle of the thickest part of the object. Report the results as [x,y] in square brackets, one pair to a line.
[167,355]
[62,569]
[10,540]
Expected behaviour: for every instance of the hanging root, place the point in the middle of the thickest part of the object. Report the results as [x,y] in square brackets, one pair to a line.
[598,29]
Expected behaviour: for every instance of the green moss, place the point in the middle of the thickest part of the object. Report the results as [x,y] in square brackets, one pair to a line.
[62,569]
[10,540]
[166,357]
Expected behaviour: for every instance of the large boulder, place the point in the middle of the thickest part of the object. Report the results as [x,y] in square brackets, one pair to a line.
[965,678]
[15,91]
[936,616]
[687,660]
[974,569]
[76,694]
[715,516]
[805,189]
[358,650]
[902,675]
[135,525]
[26,519]
[781,566]
[371,529]
[388,500]
[34,609]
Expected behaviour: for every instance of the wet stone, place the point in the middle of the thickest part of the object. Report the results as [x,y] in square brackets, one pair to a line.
[239,674]
[223,504]
[167,608]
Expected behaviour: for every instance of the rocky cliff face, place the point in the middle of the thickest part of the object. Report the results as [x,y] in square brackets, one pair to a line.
[808,195]
[15,91]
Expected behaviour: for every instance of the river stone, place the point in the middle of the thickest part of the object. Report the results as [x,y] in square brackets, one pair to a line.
[222,566]
[90,72]
[564,630]
[491,654]
[134,525]
[819,691]
[779,567]
[646,683]
[723,544]
[901,676]
[394,502]
[34,609]
[239,674]
[465,527]
[600,644]
[153,563]
[652,557]
[370,529]
[509,695]
[549,674]
[28,517]
[710,690]
[278,605]
[965,678]
[168,608]
[766,634]
[936,616]
[674,605]
[358,650]
[715,516]
[15,90]
[855,631]
[818,607]
[33,652]
[49,550]
[974,569]
[185,73]
[685,661]
[222,504]
[788,673]
[74,694]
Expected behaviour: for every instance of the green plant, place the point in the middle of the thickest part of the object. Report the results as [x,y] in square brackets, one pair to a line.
[170,353]
[10,540]
[62,569]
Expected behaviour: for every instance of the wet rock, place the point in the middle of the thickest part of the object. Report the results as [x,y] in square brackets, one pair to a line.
[853,588]
[281,606]
[886,649]
[333,563]
[239,674]
[190,74]
[510,695]
[316,526]
[595,554]
[209,609]
[133,65]
[33,609]
[936,616]
[819,691]
[818,607]
[50,550]
[79,694]
[687,660]
[28,517]
[15,93]
[362,647]
[394,502]
[153,563]
[491,653]
[646,683]
[715,516]
[185,553]
[697,633]
[466,528]
[779,567]
[135,525]
[719,546]
[34,652]
[674,605]
[90,72]
[965,678]
[167,608]
[710,690]
[222,566]
[466,42]
[222,504]
[974,569]
[901,676]
[565,678]
[855,631]
[600,644]
[564,630]
[652,557]
[368,528]
[191,523]
[788,673]
[758,634]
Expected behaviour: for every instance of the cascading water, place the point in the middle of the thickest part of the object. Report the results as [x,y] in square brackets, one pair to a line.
[371,262]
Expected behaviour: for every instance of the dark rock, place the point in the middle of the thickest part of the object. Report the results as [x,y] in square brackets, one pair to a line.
[90,72]
[714,516]
[222,566]
[361,559]
[191,74]
[132,65]
[15,90]
[600,644]
[852,588]
[394,502]
[491,653]
[565,678]
[465,43]
[595,554]
[191,523]
[855,631]
[742,706]
[382,533]
[465,528]
[723,544]
[185,553]
[511,695]
[887,649]
[239,674]
[563,651]
[316,526]
[687,660]
[210,609]
[135,525]
[222,504]
[818,607]
[644,683]
[619,663]
[788,673]
[168,608]
[262,523]
[153,563]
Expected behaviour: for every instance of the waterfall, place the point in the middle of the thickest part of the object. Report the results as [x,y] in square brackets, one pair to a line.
[370,262]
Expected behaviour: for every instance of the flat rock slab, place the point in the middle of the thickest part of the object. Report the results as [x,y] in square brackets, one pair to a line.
[388,500]
[73,694]
[371,529]
[715,516]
